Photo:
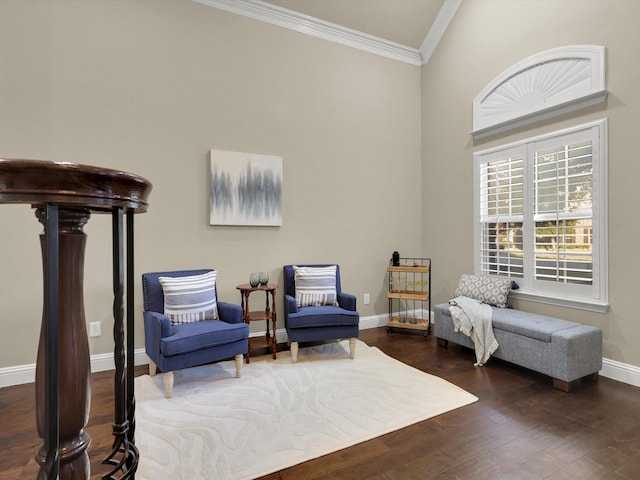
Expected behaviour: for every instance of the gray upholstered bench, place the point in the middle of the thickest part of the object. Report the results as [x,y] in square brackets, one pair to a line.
[565,351]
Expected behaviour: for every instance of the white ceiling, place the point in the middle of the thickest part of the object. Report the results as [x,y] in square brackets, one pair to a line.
[406,22]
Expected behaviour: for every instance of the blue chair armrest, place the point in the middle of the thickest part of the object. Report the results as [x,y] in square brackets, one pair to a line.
[290,305]
[230,312]
[156,326]
[347,301]
[158,322]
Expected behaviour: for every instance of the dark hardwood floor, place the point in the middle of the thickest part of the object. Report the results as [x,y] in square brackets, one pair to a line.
[521,428]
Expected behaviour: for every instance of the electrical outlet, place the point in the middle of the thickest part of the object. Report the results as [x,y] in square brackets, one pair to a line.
[367,299]
[94,329]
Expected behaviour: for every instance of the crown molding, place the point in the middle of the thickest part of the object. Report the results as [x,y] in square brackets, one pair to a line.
[440,24]
[283,17]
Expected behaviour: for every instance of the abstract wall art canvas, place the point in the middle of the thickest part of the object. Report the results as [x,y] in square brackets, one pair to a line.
[246,189]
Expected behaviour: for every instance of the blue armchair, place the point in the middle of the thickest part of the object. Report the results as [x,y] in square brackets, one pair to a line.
[323,316]
[176,346]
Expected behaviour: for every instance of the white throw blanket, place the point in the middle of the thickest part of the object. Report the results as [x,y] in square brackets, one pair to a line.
[473,318]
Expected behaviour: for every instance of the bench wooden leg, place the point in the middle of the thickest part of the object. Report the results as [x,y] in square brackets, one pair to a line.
[562,385]
[443,343]
[593,377]
[568,386]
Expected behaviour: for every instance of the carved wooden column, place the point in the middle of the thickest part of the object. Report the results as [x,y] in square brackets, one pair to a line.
[74,367]
[64,196]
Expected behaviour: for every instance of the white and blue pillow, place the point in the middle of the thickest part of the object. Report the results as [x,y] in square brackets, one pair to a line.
[315,286]
[190,299]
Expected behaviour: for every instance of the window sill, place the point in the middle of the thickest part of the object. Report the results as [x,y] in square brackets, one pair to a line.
[579,303]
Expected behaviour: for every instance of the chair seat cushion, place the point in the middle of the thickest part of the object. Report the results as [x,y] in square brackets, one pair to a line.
[189,337]
[323,316]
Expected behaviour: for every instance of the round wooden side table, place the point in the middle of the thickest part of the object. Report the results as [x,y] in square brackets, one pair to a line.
[64,195]
[269,313]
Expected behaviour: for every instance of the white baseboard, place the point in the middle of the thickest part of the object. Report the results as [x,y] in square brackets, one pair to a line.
[17,375]
[621,372]
[22,374]
[373,321]
[281,335]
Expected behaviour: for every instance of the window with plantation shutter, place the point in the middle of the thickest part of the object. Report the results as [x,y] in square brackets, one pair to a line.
[501,216]
[540,210]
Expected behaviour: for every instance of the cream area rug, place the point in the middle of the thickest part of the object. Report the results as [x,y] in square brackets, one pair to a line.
[279,414]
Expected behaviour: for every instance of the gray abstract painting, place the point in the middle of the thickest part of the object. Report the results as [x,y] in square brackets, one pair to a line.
[246,189]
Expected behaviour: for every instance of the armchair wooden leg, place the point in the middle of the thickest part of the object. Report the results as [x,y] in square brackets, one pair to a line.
[352,347]
[168,384]
[239,360]
[152,369]
[294,351]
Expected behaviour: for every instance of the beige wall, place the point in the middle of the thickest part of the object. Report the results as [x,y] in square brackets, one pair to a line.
[485,38]
[150,87]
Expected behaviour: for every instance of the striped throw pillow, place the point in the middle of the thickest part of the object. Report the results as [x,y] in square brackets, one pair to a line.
[190,299]
[315,286]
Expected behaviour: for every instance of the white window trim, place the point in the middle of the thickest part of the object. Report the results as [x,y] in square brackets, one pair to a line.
[600,218]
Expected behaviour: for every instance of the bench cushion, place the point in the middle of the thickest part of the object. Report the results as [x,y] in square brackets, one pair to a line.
[528,324]
[538,327]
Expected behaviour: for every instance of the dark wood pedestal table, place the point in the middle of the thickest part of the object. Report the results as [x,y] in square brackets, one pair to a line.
[268,314]
[64,195]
